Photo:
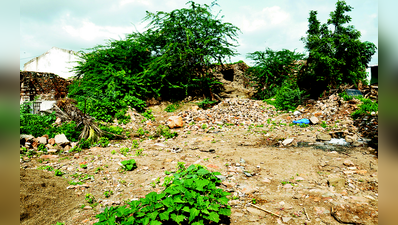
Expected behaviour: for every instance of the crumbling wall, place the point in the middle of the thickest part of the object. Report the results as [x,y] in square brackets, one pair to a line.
[235,83]
[46,85]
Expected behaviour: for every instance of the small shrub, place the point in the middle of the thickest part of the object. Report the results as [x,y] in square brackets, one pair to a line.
[138,152]
[365,108]
[172,107]
[75,149]
[84,144]
[129,164]
[190,196]
[287,97]
[135,144]
[124,151]
[58,173]
[345,96]
[103,142]
[148,114]
[206,103]
[165,132]
[90,198]
[107,194]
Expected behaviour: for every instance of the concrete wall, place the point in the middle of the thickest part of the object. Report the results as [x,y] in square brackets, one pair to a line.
[57,60]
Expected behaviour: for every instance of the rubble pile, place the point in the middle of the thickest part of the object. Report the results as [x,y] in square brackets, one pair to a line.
[53,146]
[240,112]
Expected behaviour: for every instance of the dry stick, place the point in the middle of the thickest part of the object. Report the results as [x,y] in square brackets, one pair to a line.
[266,211]
[306,214]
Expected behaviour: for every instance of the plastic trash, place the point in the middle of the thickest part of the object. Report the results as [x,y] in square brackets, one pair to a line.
[304,121]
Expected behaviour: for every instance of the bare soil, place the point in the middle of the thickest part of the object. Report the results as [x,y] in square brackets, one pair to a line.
[291,182]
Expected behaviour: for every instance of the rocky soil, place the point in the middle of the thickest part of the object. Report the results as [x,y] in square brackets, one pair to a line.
[322,173]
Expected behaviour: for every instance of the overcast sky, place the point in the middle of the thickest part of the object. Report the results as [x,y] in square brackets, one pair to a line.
[277,24]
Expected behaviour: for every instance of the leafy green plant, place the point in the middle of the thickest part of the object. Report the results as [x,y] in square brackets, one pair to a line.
[345,96]
[138,152]
[98,169]
[124,151]
[135,144]
[142,132]
[103,142]
[108,194]
[323,124]
[75,149]
[58,172]
[206,103]
[165,132]
[113,152]
[83,166]
[287,97]
[365,108]
[204,126]
[90,198]
[41,147]
[190,196]
[48,168]
[129,164]
[148,114]
[172,107]
[84,144]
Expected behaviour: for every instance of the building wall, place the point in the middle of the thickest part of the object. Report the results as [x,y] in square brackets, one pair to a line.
[57,60]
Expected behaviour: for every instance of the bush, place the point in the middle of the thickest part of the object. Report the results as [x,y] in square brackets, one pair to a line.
[206,103]
[365,108]
[39,125]
[190,196]
[288,97]
[272,69]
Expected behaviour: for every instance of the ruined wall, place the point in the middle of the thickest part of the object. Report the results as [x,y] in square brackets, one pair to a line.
[235,83]
[49,86]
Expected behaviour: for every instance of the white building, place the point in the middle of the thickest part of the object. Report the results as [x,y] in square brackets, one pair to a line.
[56,60]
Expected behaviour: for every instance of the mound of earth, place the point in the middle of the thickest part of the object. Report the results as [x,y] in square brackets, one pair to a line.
[43,198]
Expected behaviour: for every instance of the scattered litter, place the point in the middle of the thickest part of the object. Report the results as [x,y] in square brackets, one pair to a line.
[304,121]
[337,141]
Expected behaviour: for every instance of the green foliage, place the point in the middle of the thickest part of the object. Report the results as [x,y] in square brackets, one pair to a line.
[138,152]
[345,96]
[41,147]
[124,151]
[84,144]
[135,144]
[48,168]
[172,107]
[365,108]
[323,124]
[287,97]
[129,164]
[90,198]
[336,55]
[58,172]
[170,59]
[103,142]
[108,194]
[190,196]
[109,80]
[272,69]
[185,42]
[75,149]
[165,132]
[39,125]
[111,130]
[206,103]
[148,114]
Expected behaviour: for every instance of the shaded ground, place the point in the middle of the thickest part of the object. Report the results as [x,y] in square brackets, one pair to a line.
[44,198]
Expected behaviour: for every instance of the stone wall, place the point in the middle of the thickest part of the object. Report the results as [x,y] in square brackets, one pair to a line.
[48,86]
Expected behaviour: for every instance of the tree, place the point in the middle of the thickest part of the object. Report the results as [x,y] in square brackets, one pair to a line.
[109,79]
[336,55]
[272,68]
[184,43]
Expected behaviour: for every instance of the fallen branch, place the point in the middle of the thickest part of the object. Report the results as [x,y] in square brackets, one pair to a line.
[340,221]
[306,214]
[266,211]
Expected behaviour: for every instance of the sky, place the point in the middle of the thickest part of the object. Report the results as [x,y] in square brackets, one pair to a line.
[277,24]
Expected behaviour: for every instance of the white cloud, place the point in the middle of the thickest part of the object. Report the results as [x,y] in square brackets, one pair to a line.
[268,17]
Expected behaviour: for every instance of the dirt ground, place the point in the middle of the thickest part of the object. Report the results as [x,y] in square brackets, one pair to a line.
[295,184]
